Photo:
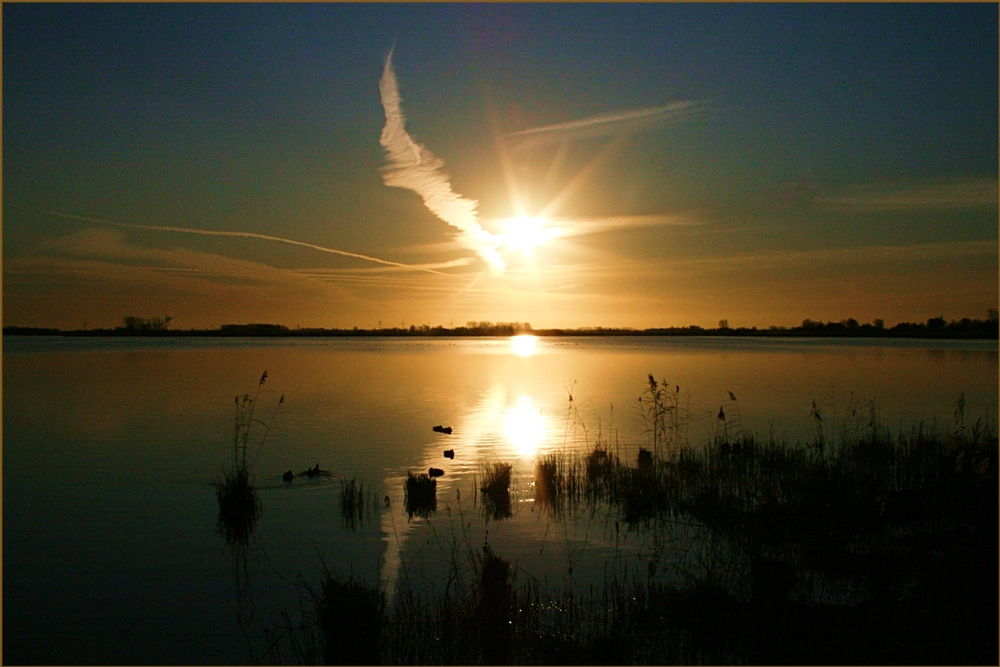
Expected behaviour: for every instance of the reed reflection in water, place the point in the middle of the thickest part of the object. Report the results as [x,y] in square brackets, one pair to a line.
[502,428]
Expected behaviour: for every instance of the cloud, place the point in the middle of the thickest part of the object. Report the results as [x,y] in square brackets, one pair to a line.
[614,123]
[414,167]
[930,194]
[249,235]
[94,275]
[584,226]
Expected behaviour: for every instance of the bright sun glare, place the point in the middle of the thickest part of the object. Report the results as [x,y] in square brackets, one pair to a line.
[523,345]
[524,426]
[525,233]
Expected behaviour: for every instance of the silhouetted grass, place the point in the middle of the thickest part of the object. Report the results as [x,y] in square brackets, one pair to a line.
[419,495]
[357,504]
[862,547]
[239,504]
[549,484]
[495,490]
[350,615]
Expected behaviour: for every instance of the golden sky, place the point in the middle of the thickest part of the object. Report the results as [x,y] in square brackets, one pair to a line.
[567,165]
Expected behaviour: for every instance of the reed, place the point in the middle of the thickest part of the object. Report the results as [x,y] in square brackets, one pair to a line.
[239,504]
[665,417]
[495,490]
[349,614]
[770,531]
[357,504]
[550,486]
[419,495]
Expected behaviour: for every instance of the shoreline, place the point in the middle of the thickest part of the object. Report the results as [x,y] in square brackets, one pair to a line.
[277,331]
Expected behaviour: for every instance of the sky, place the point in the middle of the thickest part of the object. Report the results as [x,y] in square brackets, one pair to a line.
[567,165]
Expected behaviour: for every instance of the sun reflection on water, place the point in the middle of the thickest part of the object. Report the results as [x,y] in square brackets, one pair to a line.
[524,345]
[524,426]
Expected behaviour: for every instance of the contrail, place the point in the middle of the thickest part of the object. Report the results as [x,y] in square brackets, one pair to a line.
[617,122]
[584,226]
[248,235]
[414,167]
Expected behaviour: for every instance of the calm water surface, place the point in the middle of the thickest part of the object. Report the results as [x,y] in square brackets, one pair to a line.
[110,551]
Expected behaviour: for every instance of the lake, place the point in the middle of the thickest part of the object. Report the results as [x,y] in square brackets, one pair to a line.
[110,445]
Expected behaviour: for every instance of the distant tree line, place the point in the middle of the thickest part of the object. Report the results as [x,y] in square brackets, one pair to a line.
[935,327]
[253,330]
[134,324]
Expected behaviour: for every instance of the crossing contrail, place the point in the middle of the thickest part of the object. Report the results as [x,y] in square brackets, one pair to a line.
[616,122]
[247,235]
[414,167]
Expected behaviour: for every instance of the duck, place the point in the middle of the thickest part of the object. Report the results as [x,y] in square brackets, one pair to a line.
[442,429]
[288,476]
[449,453]
[435,472]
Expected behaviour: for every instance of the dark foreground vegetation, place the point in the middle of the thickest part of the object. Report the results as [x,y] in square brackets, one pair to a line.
[859,547]
[935,327]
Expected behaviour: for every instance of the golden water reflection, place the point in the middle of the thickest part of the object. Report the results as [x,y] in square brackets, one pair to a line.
[506,422]
[524,427]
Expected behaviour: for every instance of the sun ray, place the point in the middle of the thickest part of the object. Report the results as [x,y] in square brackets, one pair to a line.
[581,177]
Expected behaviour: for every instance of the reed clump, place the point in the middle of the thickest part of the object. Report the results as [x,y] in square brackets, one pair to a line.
[888,540]
[357,504]
[350,615]
[495,609]
[550,486]
[495,490]
[419,495]
[239,504]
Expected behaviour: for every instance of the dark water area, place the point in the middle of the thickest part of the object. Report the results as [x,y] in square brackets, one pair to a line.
[112,548]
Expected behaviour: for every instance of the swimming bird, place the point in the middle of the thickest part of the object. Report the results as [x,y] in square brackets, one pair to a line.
[442,429]
[288,476]
[435,472]
[449,453]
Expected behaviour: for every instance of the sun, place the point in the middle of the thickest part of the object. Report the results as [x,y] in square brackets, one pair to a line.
[525,233]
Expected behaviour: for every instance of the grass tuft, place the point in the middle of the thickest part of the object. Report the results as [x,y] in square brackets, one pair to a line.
[239,505]
[496,490]
[350,615]
[420,495]
[357,504]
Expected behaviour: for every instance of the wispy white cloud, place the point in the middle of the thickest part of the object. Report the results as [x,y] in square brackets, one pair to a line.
[413,167]
[252,235]
[607,124]
[95,275]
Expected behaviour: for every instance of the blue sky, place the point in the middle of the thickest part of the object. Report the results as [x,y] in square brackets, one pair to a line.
[837,160]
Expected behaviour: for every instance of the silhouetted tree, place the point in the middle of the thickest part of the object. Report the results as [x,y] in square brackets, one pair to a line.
[132,323]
